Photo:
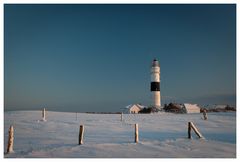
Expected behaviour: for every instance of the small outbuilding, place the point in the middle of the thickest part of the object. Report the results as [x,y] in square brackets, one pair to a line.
[134,108]
[191,108]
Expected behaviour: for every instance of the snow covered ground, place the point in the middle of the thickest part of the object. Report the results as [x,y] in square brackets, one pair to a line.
[161,135]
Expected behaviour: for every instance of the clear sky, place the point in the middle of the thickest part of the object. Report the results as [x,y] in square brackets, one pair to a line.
[98,57]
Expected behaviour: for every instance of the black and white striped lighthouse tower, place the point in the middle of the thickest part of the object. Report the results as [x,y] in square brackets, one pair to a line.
[155,84]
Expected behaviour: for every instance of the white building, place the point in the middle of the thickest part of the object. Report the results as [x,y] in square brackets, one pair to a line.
[191,108]
[134,108]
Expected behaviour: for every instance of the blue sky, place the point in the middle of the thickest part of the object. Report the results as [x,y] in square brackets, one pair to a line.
[98,57]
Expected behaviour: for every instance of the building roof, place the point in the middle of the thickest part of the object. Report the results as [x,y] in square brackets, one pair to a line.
[190,108]
[138,105]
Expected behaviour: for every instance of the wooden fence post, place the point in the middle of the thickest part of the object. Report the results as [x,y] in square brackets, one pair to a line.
[189,130]
[81,131]
[136,133]
[10,140]
[44,114]
[121,116]
[196,130]
[76,116]
[204,114]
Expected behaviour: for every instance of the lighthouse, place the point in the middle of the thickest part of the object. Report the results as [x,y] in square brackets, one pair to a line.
[155,84]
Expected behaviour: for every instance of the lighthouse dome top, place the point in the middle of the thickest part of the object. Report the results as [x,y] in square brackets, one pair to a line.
[155,63]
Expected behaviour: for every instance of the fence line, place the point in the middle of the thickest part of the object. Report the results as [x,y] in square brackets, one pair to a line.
[81,134]
[81,131]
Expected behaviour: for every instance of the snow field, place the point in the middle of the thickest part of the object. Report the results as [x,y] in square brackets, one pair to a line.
[161,135]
